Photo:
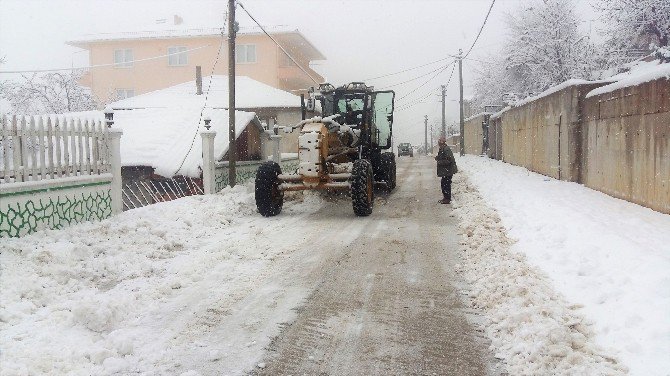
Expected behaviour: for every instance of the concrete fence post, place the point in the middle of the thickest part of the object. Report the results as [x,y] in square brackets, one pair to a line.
[276,148]
[117,188]
[208,181]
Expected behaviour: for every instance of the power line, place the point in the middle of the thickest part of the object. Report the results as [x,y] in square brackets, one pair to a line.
[413,79]
[104,65]
[209,86]
[407,70]
[480,30]
[414,103]
[430,79]
[277,43]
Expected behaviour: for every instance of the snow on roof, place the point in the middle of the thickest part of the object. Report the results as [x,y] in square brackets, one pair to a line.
[641,73]
[163,138]
[173,32]
[249,93]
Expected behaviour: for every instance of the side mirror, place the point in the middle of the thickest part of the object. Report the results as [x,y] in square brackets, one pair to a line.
[390,118]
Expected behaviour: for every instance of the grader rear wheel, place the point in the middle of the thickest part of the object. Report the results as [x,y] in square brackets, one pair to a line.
[362,194]
[269,198]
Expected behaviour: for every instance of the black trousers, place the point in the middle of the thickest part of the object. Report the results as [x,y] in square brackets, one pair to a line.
[446,186]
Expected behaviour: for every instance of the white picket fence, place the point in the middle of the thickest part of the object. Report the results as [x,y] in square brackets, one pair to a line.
[36,148]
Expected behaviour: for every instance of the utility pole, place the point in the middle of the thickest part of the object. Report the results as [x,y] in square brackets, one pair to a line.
[232,148]
[444,124]
[460,89]
[425,143]
[431,138]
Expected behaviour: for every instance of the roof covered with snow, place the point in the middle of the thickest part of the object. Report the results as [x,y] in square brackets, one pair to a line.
[249,94]
[639,74]
[292,36]
[168,138]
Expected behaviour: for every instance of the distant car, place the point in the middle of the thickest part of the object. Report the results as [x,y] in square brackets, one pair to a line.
[405,148]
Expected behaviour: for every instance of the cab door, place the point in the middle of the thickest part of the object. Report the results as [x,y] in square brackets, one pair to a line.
[382,118]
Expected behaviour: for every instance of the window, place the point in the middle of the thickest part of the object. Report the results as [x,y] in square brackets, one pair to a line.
[177,56]
[123,58]
[245,54]
[124,93]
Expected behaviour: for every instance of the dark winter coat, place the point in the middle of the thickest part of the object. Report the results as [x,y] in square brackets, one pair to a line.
[446,163]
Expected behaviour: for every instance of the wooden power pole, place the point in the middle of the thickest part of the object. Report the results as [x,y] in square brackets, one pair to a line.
[460,101]
[425,143]
[232,147]
[431,138]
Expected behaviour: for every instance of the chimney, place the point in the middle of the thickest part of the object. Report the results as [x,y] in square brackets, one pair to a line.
[198,80]
[176,20]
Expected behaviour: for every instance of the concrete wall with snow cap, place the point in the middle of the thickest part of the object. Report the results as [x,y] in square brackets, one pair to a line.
[543,133]
[474,133]
[627,141]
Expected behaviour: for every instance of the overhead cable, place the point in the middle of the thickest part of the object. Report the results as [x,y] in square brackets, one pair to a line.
[407,70]
[277,43]
[104,65]
[209,86]
[480,30]
[426,82]
[415,78]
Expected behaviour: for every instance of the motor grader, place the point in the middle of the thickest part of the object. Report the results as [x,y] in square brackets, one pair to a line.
[343,149]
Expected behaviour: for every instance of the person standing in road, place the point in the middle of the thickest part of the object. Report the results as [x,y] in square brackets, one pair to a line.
[446,168]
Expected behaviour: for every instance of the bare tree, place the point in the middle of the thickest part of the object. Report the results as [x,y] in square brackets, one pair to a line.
[49,93]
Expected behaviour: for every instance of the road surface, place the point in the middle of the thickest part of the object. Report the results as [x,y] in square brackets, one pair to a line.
[384,298]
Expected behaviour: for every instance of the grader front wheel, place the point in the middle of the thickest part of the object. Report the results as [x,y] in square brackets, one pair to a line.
[362,194]
[269,198]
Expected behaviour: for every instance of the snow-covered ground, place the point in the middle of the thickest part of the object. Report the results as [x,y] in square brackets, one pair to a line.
[608,259]
[157,290]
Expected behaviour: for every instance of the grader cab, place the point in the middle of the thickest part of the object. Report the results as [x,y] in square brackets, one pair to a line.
[344,149]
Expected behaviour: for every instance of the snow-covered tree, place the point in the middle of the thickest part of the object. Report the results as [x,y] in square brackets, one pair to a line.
[544,45]
[490,83]
[49,93]
[635,24]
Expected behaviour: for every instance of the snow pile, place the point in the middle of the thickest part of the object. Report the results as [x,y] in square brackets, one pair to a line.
[142,291]
[531,327]
[607,255]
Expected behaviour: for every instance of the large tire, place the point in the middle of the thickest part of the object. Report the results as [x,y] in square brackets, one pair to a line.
[269,199]
[362,192]
[389,169]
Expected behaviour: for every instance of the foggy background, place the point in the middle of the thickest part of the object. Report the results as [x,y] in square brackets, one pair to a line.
[360,39]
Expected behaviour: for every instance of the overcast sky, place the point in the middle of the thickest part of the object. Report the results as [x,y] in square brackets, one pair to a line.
[360,38]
